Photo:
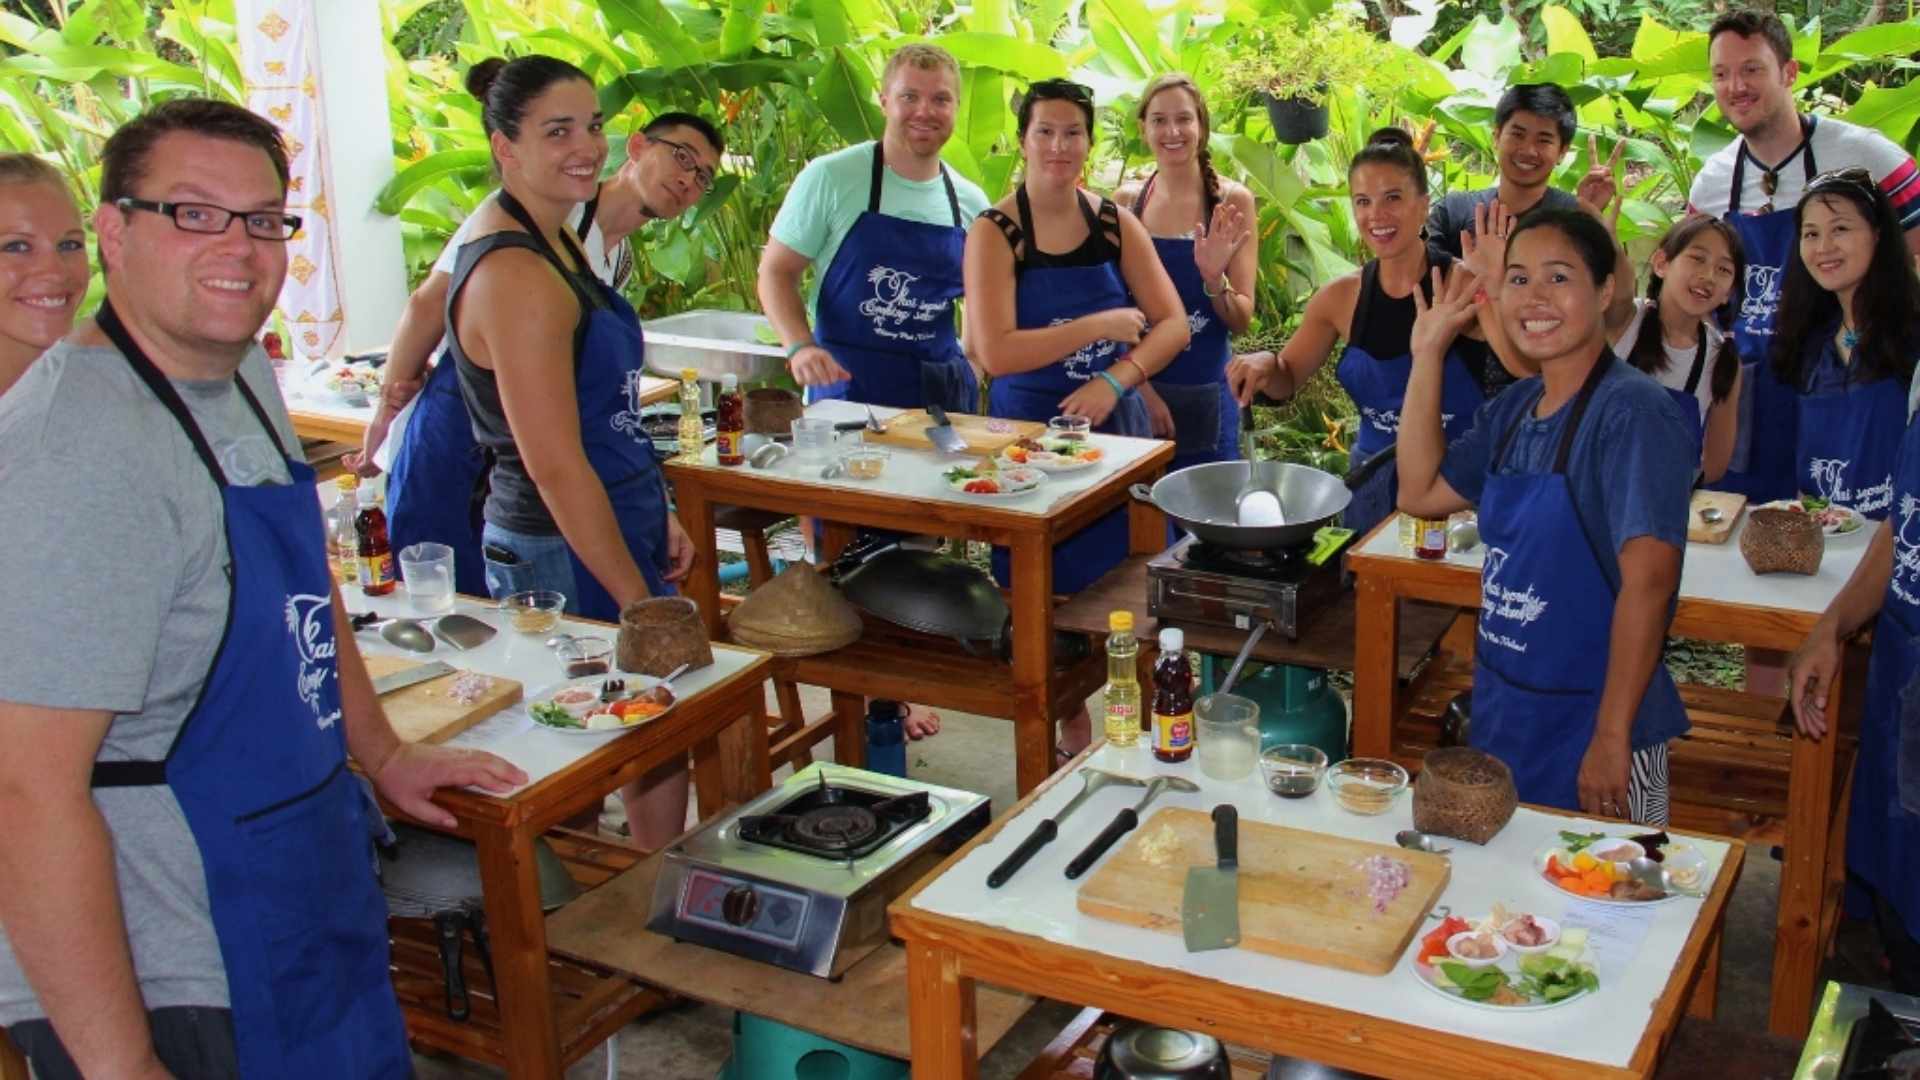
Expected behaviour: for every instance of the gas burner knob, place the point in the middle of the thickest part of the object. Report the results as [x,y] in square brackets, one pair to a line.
[740,905]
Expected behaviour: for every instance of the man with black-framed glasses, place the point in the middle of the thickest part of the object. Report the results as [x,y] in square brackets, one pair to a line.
[188,861]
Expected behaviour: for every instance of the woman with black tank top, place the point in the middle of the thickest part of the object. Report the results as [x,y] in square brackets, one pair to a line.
[1372,310]
[549,361]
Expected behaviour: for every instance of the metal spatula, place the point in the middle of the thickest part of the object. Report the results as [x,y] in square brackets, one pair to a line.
[1210,909]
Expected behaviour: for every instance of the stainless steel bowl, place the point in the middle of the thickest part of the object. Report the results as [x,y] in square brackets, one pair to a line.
[714,343]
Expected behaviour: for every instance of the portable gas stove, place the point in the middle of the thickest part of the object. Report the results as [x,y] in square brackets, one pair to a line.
[801,876]
[1198,582]
[1859,1032]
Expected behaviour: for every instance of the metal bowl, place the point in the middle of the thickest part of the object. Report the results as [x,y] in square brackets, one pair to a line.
[1138,1051]
[714,343]
[1204,500]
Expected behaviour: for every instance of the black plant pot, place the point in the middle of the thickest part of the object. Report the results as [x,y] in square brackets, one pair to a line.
[1296,120]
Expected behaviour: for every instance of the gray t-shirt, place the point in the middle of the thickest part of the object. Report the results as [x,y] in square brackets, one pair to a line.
[116,599]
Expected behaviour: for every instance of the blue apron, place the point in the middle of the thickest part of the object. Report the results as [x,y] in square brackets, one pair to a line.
[1206,419]
[260,770]
[1545,626]
[436,470]
[1762,467]
[1687,398]
[886,308]
[1883,831]
[608,367]
[1847,451]
[1047,296]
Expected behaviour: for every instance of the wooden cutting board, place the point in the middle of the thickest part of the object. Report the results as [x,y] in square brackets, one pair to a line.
[426,712]
[909,429]
[1729,504]
[1302,894]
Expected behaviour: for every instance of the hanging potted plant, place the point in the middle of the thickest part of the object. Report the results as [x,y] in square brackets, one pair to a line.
[1292,68]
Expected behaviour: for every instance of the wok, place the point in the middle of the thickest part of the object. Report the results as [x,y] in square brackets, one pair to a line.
[1203,500]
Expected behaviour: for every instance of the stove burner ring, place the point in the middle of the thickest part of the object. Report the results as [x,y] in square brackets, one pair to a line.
[832,828]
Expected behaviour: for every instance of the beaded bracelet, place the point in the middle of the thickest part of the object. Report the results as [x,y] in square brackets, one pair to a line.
[1120,389]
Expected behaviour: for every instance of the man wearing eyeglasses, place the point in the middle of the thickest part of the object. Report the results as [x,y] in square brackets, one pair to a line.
[189,888]
[435,464]
[883,225]
[1755,183]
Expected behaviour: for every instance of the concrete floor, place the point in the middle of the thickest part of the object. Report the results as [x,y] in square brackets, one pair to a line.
[693,1042]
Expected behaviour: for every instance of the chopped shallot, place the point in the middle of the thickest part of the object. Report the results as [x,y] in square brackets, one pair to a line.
[470,687]
[1385,878]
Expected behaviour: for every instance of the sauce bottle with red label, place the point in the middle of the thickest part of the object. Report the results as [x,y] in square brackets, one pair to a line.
[730,425]
[1172,699]
[376,555]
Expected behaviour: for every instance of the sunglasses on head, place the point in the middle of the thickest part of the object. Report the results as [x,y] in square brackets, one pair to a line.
[1060,90]
[1857,178]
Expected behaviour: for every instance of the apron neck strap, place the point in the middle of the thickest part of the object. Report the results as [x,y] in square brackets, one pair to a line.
[109,322]
[1807,124]
[1699,357]
[879,179]
[1580,402]
[520,214]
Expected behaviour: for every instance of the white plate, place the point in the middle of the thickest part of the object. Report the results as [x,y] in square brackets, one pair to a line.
[1838,529]
[1510,964]
[635,684]
[1038,477]
[1540,871]
[318,387]
[1048,462]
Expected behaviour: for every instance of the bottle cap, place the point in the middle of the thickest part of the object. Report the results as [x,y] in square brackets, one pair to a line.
[1120,620]
[1172,640]
[688,374]
[346,482]
[729,381]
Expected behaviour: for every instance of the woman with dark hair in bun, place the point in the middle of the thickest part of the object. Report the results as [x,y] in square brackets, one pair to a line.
[549,361]
[1372,310]
[1200,225]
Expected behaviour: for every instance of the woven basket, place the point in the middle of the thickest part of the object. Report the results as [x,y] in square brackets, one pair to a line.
[771,410]
[1782,541]
[796,614]
[660,634]
[1463,793]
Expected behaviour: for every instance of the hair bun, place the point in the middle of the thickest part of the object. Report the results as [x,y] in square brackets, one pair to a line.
[1390,136]
[480,76]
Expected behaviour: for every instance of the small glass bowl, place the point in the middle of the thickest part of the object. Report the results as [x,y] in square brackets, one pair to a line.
[1070,427]
[1367,786]
[582,657]
[533,612]
[866,462]
[1293,770]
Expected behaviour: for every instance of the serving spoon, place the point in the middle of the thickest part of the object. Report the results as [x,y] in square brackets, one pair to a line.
[1712,515]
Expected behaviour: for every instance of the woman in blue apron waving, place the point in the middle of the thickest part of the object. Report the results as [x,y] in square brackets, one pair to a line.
[1372,310]
[1201,226]
[1582,477]
[549,361]
[1675,333]
[1846,338]
[1062,287]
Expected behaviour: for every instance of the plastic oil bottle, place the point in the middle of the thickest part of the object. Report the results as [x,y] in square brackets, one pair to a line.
[693,430]
[343,540]
[1123,682]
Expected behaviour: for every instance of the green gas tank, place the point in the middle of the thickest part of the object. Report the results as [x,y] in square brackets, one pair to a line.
[1297,704]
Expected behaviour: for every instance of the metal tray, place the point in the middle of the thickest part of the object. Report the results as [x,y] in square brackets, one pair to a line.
[714,343]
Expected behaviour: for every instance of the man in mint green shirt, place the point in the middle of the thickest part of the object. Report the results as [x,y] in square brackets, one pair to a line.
[884,226]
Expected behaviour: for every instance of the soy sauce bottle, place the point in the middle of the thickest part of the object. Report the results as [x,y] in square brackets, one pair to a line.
[1172,699]
[376,555]
[731,422]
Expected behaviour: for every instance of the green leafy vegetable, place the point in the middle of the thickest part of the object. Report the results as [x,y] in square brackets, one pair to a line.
[1547,977]
[546,712]
[1474,984]
[1576,841]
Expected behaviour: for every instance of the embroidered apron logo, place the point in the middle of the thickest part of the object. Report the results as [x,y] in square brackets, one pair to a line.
[310,623]
[1196,322]
[627,420]
[1826,474]
[1906,551]
[1079,364]
[1762,297]
[1499,602]
[1387,421]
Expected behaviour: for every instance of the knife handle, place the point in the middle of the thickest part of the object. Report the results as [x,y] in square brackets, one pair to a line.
[1043,835]
[850,425]
[939,414]
[1122,823]
[1226,835]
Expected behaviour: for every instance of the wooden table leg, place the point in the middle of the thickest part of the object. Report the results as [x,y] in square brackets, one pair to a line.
[1797,947]
[518,930]
[835,536]
[12,1065]
[940,1015]
[1376,682]
[1032,605]
[849,729]
[703,583]
[731,767]
[1704,998]
[1146,528]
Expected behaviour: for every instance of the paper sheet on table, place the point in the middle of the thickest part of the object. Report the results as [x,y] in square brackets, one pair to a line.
[1614,934]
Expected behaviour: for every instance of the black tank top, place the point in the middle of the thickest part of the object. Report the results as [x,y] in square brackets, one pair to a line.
[1383,325]
[512,500]
[1102,244]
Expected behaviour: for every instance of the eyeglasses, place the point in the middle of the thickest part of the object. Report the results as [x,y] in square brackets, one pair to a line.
[688,161]
[1060,89]
[206,218]
[1854,177]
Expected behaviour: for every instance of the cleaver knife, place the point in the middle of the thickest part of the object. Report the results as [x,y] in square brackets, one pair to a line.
[1210,909]
[400,680]
[941,434]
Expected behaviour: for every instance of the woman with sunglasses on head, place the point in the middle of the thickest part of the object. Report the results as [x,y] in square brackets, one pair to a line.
[1845,341]
[1200,225]
[549,362]
[1069,310]
[1372,311]
[43,262]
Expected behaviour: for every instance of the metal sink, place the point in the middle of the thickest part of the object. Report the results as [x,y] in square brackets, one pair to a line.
[714,343]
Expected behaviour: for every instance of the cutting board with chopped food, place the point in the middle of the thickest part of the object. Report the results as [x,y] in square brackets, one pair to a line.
[909,429]
[1306,896]
[428,712]
[1728,503]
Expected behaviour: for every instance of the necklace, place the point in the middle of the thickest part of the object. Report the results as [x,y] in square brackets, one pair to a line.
[1849,337]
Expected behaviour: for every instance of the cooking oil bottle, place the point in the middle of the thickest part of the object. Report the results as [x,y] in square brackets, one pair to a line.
[1123,681]
[693,429]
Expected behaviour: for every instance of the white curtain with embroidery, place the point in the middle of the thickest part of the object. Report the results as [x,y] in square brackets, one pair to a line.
[284,84]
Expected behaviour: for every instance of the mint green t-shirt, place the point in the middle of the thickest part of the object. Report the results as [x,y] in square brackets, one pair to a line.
[831,193]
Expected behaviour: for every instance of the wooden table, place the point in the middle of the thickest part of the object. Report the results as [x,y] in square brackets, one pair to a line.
[316,414]
[1387,1026]
[910,497]
[1720,600]
[716,721]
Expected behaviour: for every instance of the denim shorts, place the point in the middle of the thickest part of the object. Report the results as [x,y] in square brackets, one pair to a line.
[542,562]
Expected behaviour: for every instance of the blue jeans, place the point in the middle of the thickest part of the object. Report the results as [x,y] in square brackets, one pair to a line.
[542,562]
[190,1040]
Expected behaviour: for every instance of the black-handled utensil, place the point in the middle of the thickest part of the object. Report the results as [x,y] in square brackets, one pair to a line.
[1091,780]
[1124,822]
[1210,907]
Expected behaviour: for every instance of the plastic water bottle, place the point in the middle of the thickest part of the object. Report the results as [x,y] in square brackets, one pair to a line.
[343,540]
[1123,681]
[693,430]
[886,738]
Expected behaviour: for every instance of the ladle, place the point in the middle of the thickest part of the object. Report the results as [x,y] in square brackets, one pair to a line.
[1712,515]
[1091,780]
[407,634]
[1124,821]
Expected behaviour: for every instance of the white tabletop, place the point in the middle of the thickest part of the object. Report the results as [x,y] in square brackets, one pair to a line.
[1713,573]
[1604,1027]
[306,393]
[917,474]
[511,733]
